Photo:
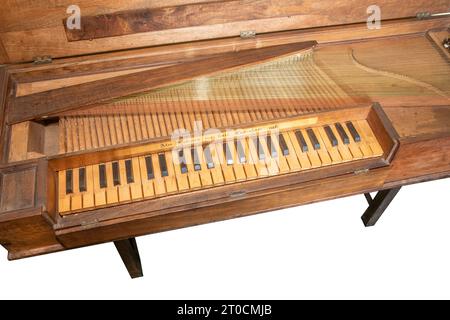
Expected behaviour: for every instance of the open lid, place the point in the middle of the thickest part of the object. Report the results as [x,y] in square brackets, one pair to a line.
[40,28]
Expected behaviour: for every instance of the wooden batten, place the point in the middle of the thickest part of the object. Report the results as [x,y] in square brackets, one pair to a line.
[38,27]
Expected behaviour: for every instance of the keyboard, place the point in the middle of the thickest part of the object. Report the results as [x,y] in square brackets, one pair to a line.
[165,168]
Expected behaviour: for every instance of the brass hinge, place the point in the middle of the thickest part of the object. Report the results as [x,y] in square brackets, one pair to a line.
[423,15]
[42,60]
[362,171]
[446,43]
[249,34]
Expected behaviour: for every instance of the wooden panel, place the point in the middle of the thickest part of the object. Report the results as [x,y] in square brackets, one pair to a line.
[46,103]
[18,189]
[314,14]
[163,55]
[37,27]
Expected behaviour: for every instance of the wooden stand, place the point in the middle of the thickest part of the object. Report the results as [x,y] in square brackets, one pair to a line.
[129,253]
[378,205]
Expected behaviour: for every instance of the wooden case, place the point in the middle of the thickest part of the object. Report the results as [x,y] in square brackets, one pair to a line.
[126,47]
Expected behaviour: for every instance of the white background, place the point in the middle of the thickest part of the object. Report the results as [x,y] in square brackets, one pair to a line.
[315,251]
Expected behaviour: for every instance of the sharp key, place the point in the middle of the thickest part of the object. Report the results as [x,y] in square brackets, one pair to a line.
[353,146]
[99,187]
[69,181]
[129,171]
[248,164]
[301,141]
[242,158]
[283,145]
[313,139]
[277,154]
[208,157]
[77,198]
[180,163]
[112,193]
[312,154]
[301,156]
[88,196]
[116,173]
[363,144]
[149,168]
[260,165]
[368,135]
[344,151]
[273,150]
[193,175]
[205,174]
[159,183]
[147,176]
[328,146]
[260,148]
[238,168]
[322,151]
[342,133]
[163,165]
[196,159]
[63,198]
[82,180]
[353,131]
[228,173]
[228,153]
[171,181]
[330,135]
[213,164]
[136,185]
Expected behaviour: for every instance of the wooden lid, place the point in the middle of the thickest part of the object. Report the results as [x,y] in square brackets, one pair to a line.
[38,28]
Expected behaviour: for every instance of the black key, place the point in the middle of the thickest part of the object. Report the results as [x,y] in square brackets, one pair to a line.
[271,147]
[102,175]
[69,181]
[196,159]
[149,166]
[208,158]
[240,152]
[301,141]
[116,173]
[228,154]
[342,133]
[283,146]
[163,165]
[331,136]
[259,148]
[313,139]
[82,179]
[353,132]
[182,160]
[129,171]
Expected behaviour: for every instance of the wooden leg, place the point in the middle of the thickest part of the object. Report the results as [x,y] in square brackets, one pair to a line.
[129,253]
[378,205]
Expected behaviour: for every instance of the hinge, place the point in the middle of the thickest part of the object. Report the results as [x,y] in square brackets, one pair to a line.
[423,15]
[249,34]
[42,60]
[446,43]
[362,171]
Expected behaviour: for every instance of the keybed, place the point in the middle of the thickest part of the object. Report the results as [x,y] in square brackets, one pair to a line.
[203,166]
